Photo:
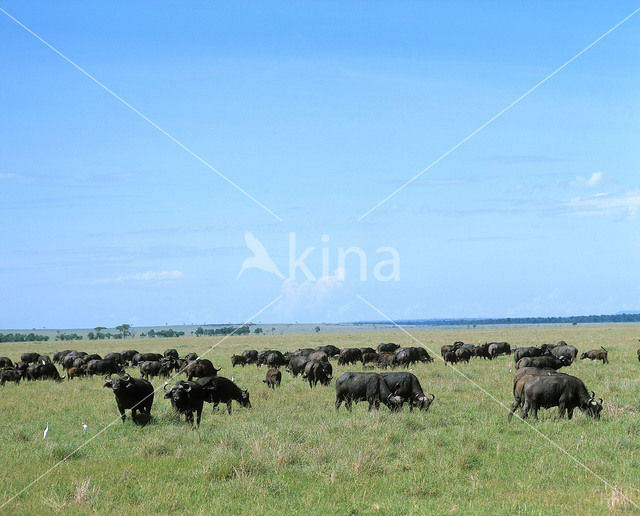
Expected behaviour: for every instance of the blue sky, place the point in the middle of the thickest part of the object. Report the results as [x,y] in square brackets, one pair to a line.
[319,110]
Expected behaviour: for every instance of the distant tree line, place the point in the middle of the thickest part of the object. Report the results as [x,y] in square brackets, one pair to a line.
[68,336]
[225,330]
[575,319]
[22,337]
[163,333]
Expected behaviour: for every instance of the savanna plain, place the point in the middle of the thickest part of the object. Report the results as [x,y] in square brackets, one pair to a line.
[293,453]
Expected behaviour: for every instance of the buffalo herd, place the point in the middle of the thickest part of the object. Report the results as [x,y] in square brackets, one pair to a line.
[537,382]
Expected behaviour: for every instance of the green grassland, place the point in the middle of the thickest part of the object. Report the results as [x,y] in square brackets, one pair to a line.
[292,453]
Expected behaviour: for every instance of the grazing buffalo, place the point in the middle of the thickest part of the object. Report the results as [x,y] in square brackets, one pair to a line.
[370,387]
[171,353]
[521,377]
[76,372]
[407,386]
[43,372]
[145,357]
[238,360]
[412,355]
[251,355]
[128,355]
[191,357]
[389,347]
[152,368]
[329,349]
[59,355]
[386,359]
[186,398]
[562,350]
[200,368]
[296,365]
[463,354]
[5,362]
[450,357]
[114,357]
[499,348]
[559,390]
[528,352]
[544,361]
[93,356]
[316,372]
[370,357]
[482,351]
[29,358]
[218,389]
[596,354]
[349,356]
[303,352]
[318,356]
[10,374]
[103,367]
[273,379]
[132,393]
[367,350]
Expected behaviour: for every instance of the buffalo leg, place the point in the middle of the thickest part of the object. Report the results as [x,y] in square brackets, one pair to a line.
[561,410]
[338,403]
[229,407]
[569,413]
[199,415]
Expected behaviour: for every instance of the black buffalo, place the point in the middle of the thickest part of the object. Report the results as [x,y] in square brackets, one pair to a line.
[389,347]
[200,368]
[29,358]
[128,355]
[5,362]
[132,393]
[296,365]
[350,356]
[251,355]
[10,374]
[520,379]
[43,372]
[186,398]
[103,367]
[218,389]
[528,352]
[329,349]
[145,357]
[238,360]
[152,368]
[499,348]
[370,387]
[544,361]
[563,350]
[318,372]
[171,353]
[559,390]
[273,378]
[407,386]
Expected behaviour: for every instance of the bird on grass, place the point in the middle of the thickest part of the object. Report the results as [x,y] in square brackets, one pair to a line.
[46,431]
[85,427]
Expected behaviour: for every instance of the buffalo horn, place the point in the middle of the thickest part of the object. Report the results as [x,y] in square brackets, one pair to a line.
[433,396]
[165,386]
[601,401]
[593,395]
[126,377]
[107,377]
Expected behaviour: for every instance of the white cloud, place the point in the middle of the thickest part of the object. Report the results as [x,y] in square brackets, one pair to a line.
[594,179]
[607,204]
[152,276]
[590,182]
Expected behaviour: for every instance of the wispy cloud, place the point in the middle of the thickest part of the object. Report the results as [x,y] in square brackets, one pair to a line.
[152,276]
[591,181]
[607,204]
[10,176]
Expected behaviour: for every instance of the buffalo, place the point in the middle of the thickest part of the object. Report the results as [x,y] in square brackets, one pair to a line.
[10,374]
[218,389]
[596,354]
[370,387]
[407,386]
[499,348]
[329,349]
[388,347]
[386,359]
[103,367]
[29,358]
[151,368]
[559,390]
[171,353]
[238,360]
[42,372]
[132,393]
[349,356]
[563,350]
[5,362]
[76,372]
[273,379]
[296,365]
[128,355]
[521,377]
[186,398]
[316,372]
[251,356]
[544,361]
[200,368]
